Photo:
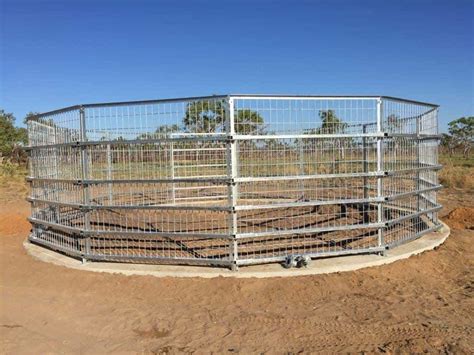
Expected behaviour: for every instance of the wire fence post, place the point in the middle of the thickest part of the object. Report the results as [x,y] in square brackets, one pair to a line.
[380,236]
[301,167]
[418,162]
[109,173]
[56,154]
[232,173]
[85,176]
[435,161]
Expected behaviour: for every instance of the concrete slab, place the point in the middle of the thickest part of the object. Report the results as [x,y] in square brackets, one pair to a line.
[317,266]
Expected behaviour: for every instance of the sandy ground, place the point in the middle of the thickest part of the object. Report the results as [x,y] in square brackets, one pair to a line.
[423,304]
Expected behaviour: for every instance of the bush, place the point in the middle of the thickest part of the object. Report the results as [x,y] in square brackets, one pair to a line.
[12,139]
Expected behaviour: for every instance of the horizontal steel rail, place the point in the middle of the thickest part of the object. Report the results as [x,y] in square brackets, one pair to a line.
[55,226]
[247,207]
[101,257]
[412,215]
[126,103]
[308,177]
[134,207]
[183,261]
[308,204]
[332,97]
[310,230]
[410,170]
[216,180]
[228,138]
[115,142]
[233,96]
[84,232]
[412,193]
[414,136]
[244,137]
[434,228]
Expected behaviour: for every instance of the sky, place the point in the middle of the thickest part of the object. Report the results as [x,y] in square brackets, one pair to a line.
[60,53]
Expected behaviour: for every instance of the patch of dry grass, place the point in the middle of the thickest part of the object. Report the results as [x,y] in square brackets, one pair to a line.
[12,181]
[457,171]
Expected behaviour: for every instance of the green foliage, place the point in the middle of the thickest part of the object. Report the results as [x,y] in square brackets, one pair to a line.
[461,135]
[12,138]
[204,116]
[209,117]
[462,129]
[330,123]
[29,116]
[248,122]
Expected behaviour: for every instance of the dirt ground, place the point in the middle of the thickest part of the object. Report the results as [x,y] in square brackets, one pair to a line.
[423,304]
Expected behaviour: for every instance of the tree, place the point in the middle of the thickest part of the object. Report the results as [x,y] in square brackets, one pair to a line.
[330,123]
[30,115]
[204,116]
[449,143]
[209,117]
[462,131]
[12,139]
[248,122]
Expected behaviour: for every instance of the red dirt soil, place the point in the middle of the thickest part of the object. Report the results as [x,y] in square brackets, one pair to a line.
[423,304]
[461,218]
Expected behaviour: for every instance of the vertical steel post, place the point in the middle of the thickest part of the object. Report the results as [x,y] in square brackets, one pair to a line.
[232,173]
[435,162]
[365,158]
[109,172]
[56,154]
[418,162]
[85,176]
[380,239]
[173,185]
[301,161]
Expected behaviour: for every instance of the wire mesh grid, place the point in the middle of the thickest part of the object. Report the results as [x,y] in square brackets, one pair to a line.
[233,180]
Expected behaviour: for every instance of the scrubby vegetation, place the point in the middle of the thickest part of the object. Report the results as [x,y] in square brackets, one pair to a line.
[12,139]
[456,154]
[13,166]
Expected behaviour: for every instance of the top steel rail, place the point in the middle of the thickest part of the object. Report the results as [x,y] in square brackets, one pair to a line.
[234,96]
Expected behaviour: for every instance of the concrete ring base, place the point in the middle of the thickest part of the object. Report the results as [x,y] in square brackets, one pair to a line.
[317,266]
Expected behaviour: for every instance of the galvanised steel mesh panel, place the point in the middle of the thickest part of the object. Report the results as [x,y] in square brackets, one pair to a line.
[233,180]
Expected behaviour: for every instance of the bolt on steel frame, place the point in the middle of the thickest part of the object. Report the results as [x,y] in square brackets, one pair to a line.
[235,179]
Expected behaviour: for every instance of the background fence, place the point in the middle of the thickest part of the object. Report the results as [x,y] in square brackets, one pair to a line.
[233,180]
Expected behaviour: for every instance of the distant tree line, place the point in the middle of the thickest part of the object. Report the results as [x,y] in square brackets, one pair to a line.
[206,116]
